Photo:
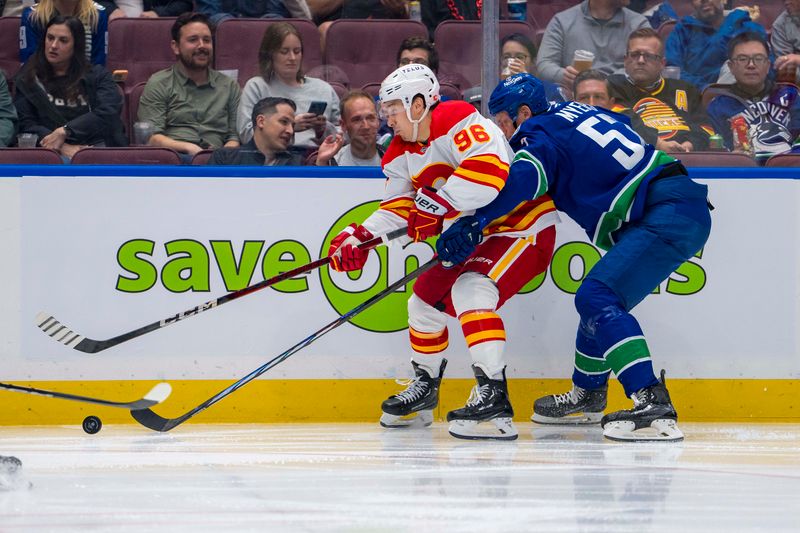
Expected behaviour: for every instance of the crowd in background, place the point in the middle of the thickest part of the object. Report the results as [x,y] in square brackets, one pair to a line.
[716,79]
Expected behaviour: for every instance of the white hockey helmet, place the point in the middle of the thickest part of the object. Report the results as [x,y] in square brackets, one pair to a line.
[407,82]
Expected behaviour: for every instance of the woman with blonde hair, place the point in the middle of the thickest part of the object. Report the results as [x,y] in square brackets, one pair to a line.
[93,16]
[280,61]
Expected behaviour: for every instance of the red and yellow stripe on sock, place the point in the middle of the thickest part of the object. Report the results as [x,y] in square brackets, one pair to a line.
[428,343]
[482,326]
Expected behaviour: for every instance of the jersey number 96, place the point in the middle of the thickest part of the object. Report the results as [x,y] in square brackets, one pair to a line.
[466,137]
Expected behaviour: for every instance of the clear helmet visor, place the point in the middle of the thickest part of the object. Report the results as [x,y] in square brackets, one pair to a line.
[390,109]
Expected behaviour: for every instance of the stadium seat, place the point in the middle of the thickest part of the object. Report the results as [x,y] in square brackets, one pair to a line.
[714,159]
[365,49]
[133,155]
[784,160]
[141,46]
[450,91]
[372,89]
[202,157]
[134,96]
[238,42]
[666,28]
[29,156]
[541,11]
[340,89]
[9,46]
[460,49]
[711,92]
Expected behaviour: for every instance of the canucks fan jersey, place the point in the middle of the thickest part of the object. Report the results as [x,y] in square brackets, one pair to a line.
[589,160]
[466,159]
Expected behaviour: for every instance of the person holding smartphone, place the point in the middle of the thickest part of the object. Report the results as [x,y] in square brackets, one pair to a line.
[280,60]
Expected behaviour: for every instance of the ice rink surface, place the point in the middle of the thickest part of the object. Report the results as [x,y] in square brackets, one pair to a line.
[361,478]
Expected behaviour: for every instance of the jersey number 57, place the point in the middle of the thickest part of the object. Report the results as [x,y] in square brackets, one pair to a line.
[631,151]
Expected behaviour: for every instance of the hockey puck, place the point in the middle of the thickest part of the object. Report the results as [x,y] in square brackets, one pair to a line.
[92,424]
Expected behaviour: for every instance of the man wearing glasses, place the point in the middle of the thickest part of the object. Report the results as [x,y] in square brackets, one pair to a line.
[755,115]
[698,43]
[673,107]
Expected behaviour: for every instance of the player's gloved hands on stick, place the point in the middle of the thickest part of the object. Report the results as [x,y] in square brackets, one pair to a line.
[344,251]
[427,216]
[459,241]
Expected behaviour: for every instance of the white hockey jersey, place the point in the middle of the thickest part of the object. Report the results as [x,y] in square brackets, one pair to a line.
[466,159]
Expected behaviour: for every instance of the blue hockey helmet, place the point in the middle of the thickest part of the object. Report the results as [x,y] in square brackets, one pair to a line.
[514,91]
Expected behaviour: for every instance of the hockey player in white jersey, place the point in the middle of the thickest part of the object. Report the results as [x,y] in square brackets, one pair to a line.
[446,160]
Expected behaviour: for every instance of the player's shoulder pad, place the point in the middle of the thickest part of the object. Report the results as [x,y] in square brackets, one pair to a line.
[448,114]
[397,148]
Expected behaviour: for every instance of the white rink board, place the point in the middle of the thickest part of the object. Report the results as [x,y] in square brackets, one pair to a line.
[740,325]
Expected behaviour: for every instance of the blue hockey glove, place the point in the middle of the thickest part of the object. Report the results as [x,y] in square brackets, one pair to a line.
[459,241]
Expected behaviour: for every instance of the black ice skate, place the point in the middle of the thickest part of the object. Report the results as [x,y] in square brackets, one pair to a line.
[578,406]
[488,402]
[420,397]
[652,418]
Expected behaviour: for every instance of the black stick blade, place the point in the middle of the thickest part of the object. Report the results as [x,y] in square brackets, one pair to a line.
[151,420]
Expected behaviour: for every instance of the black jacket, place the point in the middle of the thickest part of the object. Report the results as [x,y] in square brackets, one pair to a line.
[248,155]
[102,124]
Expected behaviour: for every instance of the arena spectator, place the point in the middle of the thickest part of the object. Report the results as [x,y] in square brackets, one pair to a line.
[598,26]
[755,115]
[375,9]
[147,8]
[280,61]
[191,106]
[11,8]
[93,16]
[673,107]
[786,40]
[518,54]
[8,114]
[360,124]
[64,100]
[592,87]
[219,10]
[271,144]
[698,44]
[434,12]
[418,50]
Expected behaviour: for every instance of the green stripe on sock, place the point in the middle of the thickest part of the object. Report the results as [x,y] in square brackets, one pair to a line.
[625,352]
[590,365]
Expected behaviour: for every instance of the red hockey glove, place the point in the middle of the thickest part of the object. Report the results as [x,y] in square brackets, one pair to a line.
[344,251]
[427,216]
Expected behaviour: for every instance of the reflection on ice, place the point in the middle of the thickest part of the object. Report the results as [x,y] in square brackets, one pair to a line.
[360,477]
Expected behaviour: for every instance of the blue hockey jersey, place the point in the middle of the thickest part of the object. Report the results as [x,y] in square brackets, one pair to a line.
[593,165]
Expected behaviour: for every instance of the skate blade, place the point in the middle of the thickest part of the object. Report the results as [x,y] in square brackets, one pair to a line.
[578,419]
[418,420]
[663,429]
[495,429]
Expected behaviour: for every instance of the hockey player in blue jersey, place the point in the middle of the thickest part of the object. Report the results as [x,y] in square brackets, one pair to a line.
[637,204]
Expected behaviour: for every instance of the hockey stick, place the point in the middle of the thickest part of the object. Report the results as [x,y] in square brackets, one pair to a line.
[155,396]
[151,420]
[61,333]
